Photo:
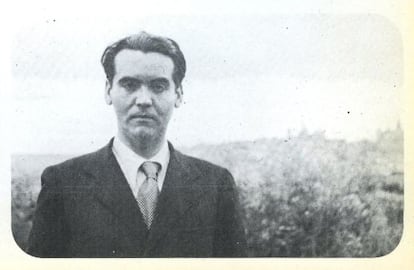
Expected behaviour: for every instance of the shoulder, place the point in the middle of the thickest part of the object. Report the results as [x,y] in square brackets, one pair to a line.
[205,169]
[74,166]
[200,163]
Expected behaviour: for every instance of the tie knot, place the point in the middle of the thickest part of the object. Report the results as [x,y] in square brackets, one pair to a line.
[151,169]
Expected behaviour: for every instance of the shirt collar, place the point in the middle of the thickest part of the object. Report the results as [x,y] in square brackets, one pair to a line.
[134,161]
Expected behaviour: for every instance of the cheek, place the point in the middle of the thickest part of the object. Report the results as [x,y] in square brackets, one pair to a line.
[167,102]
[121,101]
[120,106]
[167,112]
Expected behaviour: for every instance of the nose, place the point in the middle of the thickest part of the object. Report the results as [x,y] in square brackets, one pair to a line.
[143,96]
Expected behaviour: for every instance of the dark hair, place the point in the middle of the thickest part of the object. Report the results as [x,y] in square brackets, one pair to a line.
[146,42]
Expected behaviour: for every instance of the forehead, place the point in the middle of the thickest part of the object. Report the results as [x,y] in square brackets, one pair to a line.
[139,64]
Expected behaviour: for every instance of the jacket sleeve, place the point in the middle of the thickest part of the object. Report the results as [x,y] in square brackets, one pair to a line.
[48,235]
[230,238]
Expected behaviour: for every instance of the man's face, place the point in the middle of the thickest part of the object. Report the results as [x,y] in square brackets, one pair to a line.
[143,93]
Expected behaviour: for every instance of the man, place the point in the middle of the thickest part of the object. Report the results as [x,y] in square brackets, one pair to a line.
[138,196]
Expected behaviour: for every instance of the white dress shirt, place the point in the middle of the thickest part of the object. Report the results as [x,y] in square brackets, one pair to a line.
[130,163]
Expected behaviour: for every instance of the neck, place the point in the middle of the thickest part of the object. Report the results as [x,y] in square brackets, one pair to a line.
[145,146]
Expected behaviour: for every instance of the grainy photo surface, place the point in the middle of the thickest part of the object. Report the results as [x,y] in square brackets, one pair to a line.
[208,136]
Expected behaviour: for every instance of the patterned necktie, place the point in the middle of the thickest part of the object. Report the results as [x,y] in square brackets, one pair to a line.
[148,191]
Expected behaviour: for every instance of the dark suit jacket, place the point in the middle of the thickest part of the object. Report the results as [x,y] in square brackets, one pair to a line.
[86,209]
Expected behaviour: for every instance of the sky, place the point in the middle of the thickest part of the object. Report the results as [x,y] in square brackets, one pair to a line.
[248,77]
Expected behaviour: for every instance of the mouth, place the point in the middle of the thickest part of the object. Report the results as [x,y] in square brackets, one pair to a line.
[143,117]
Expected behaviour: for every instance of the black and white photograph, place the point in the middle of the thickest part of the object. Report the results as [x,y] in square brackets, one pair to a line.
[217,135]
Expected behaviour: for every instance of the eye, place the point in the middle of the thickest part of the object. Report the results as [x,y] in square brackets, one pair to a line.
[159,86]
[130,85]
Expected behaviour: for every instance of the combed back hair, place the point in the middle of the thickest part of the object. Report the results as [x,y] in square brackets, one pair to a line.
[145,42]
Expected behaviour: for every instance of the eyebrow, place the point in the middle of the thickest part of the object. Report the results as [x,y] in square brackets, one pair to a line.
[156,79]
[162,80]
[128,78]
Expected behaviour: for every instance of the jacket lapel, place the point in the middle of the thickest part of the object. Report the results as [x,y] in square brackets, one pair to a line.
[112,191]
[180,192]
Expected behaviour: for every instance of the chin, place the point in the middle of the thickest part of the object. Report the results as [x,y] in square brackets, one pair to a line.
[145,133]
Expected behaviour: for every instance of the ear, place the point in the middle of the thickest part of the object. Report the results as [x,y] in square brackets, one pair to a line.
[179,96]
[108,88]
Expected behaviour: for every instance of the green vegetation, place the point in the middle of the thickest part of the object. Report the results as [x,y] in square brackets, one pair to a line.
[304,196]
